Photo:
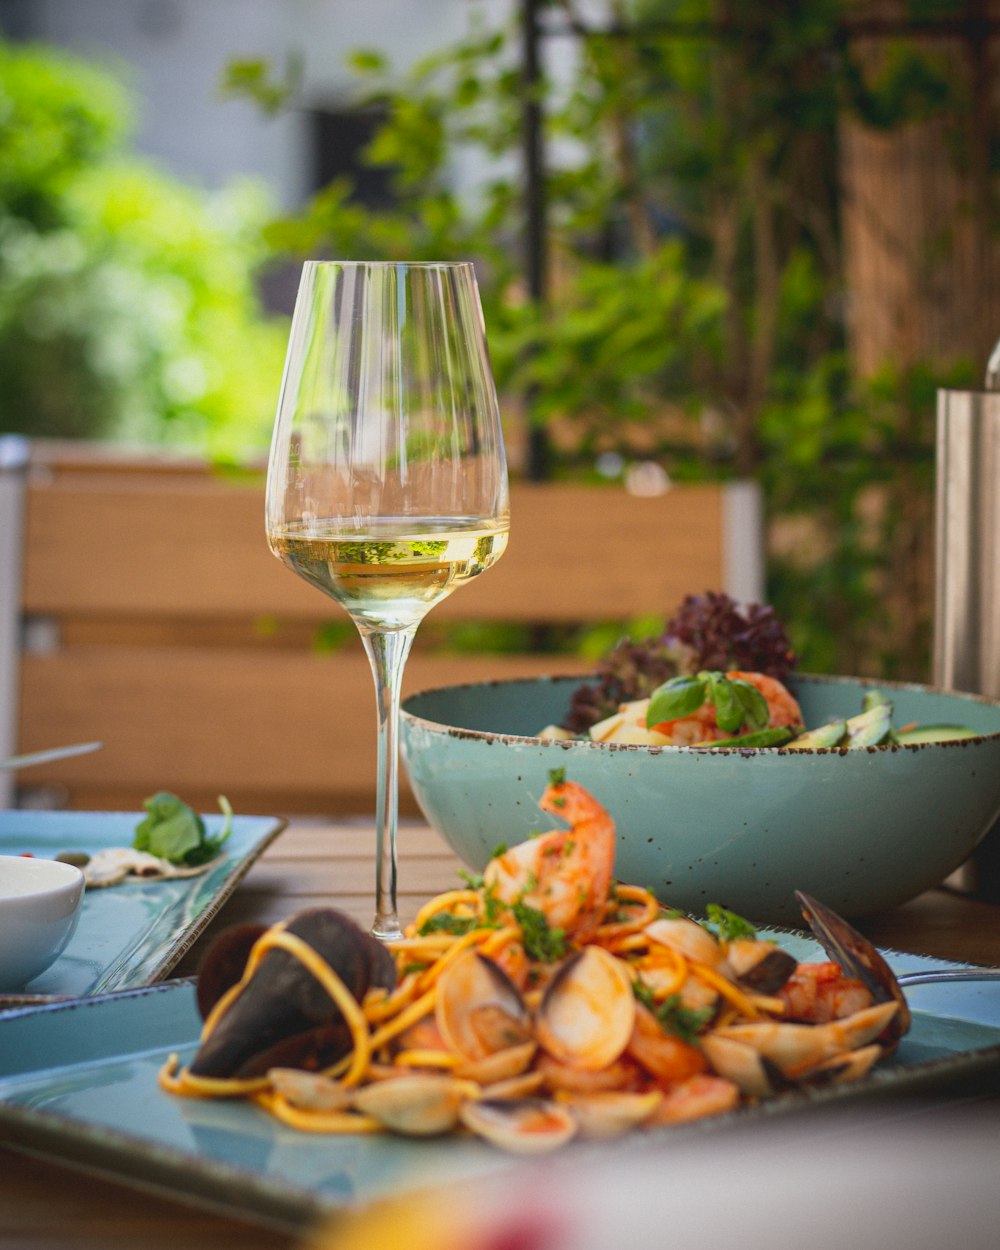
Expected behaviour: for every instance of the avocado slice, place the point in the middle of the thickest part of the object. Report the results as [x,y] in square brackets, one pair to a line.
[934,733]
[870,728]
[822,736]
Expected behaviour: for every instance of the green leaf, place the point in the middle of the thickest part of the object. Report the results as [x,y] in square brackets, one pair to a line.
[367,61]
[680,696]
[174,831]
[729,710]
[756,713]
[727,924]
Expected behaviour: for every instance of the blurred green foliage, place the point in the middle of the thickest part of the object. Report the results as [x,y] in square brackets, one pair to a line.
[695,304]
[694,311]
[128,308]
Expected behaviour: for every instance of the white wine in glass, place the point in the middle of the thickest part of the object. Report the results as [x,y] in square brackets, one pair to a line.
[387,479]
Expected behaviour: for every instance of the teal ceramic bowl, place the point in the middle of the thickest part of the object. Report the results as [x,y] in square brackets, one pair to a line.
[861,830]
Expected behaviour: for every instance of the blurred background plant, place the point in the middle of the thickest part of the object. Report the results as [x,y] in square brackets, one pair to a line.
[128,306]
[770,242]
[757,242]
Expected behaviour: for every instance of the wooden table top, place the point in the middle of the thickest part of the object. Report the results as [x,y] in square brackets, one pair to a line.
[324,863]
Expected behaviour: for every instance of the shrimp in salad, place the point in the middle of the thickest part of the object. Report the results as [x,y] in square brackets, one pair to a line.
[628,724]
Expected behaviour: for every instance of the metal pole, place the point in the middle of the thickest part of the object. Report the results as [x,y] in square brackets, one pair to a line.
[536,261]
[14,458]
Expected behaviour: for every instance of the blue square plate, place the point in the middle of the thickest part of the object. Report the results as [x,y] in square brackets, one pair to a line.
[134,933]
[78,1083]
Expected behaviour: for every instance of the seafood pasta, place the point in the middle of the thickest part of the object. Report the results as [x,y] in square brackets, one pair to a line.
[541,1001]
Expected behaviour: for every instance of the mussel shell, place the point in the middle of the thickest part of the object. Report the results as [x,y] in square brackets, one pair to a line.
[858,958]
[224,962]
[283,1017]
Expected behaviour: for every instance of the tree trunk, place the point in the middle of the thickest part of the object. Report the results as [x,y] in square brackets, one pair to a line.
[921,249]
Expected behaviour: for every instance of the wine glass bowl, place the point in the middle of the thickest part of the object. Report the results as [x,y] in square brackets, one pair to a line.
[387,479]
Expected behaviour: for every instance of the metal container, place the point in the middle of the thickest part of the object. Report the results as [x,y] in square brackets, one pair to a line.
[967,570]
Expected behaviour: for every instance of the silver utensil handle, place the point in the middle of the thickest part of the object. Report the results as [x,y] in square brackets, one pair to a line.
[47,757]
[949,974]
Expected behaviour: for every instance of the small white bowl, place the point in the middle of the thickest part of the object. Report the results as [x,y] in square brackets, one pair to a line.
[39,911]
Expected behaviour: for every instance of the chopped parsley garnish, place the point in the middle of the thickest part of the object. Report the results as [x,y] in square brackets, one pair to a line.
[446,922]
[681,1022]
[727,924]
[541,940]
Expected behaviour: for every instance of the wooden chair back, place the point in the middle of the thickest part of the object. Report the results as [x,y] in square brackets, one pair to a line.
[143,609]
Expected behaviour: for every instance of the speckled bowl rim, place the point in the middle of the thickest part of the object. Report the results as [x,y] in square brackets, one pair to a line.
[576,744]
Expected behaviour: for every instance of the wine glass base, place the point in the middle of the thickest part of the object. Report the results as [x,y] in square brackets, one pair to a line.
[387,929]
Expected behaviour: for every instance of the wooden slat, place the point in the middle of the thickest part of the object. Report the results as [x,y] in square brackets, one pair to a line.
[185,647]
[167,549]
[283,729]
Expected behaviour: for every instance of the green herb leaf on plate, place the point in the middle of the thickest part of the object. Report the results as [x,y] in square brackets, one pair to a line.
[174,831]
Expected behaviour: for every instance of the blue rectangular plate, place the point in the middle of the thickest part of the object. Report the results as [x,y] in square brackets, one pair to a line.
[132,934]
[78,1083]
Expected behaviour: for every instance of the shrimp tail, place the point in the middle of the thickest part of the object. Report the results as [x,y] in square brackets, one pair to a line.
[572,803]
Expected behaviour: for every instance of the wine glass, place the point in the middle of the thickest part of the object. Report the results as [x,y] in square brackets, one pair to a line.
[387,480]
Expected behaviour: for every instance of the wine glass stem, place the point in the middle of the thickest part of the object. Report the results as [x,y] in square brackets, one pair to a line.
[387,651]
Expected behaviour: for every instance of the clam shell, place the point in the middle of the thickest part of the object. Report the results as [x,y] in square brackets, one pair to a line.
[794,1048]
[614,1113]
[310,1090]
[502,1065]
[422,1105]
[521,1125]
[688,938]
[738,1062]
[586,1015]
[479,1010]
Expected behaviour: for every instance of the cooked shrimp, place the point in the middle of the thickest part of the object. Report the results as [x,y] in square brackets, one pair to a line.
[702,726]
[820,992]
[695,1098]
[629,725]
[691,731]
[664,1056]
[565,874]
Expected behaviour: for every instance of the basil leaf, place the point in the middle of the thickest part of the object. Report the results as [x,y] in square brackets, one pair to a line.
[680,696]
[756,713]
[729,711]
[173,831]
[170,830]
